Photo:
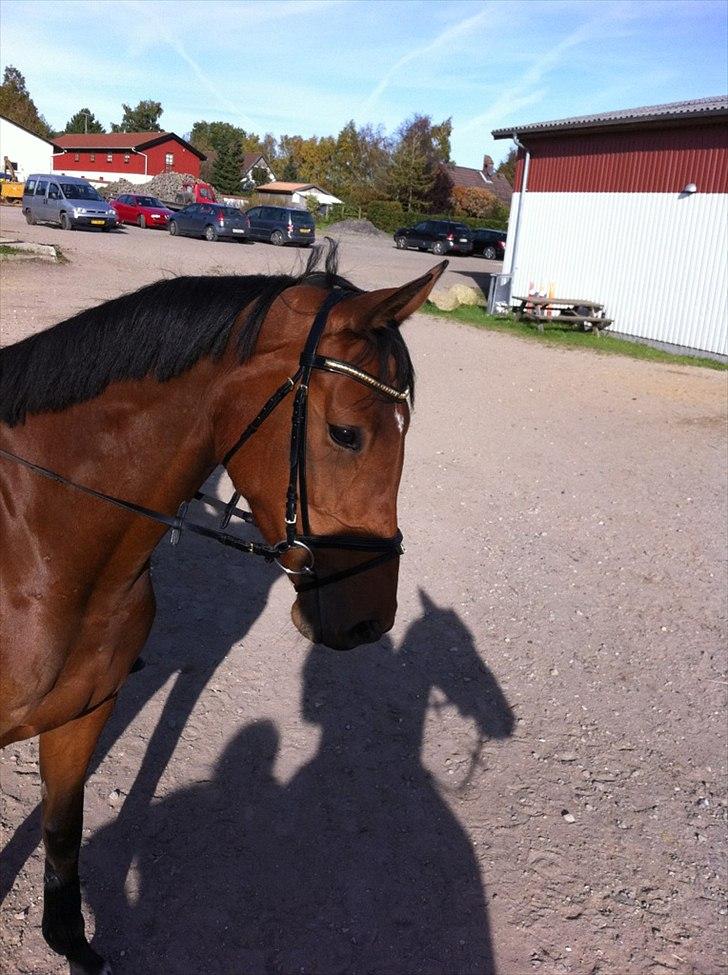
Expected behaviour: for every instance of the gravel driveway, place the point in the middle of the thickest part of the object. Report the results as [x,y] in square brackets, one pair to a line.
[526,775]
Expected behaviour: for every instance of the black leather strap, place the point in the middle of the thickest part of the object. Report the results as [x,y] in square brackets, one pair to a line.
[176,522]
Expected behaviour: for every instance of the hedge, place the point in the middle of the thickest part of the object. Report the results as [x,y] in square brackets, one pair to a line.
[389,215]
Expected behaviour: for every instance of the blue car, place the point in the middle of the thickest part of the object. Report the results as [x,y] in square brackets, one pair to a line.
[213,221]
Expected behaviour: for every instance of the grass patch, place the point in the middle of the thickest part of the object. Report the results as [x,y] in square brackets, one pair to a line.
[553,334]
[7,251]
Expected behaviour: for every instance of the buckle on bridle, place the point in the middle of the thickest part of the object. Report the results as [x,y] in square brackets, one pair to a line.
[306,570]
[176,532]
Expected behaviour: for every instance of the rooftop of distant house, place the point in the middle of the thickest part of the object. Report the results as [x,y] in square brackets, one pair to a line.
[120,140]
[481,179]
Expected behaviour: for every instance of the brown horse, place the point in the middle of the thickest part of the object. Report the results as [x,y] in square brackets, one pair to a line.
[113,419]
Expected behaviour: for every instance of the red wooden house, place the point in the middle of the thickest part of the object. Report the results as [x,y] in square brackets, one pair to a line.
[134,156]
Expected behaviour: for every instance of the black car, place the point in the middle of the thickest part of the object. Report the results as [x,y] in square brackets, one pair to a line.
[489,243]
[438,236]
[282,225]
[211,221]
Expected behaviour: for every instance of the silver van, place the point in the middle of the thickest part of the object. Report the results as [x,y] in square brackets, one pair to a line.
[68,200]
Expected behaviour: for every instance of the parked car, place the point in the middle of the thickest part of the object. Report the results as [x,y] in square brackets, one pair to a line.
[438,236]
[211,221]
[68,200]
[282,225]
[489,243]
[145,211]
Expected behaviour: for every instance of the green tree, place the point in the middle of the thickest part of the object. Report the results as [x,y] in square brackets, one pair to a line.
[84,120]
[260,176]
[143,118]
[440,138]
[289,173]
[421,149]
[228,167]
[359,163]
[17,105]
[508,167]
[412,171]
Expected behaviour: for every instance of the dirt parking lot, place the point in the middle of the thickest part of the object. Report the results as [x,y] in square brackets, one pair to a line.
[526,775]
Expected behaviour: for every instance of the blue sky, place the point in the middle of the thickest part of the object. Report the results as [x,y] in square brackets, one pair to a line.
[308,66]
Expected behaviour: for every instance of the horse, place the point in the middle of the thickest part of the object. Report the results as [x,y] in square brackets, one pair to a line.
[111,421]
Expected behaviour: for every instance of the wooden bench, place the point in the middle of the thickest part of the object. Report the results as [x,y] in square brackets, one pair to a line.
[580,312]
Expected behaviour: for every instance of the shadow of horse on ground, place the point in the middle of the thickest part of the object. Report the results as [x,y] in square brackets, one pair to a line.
[355,865]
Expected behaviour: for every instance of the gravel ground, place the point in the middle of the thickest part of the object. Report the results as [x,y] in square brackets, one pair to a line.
[526,775]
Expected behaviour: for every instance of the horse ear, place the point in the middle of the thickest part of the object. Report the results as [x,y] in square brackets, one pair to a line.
[376,308]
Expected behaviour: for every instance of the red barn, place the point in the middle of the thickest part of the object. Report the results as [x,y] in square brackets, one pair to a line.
[134,156]
[628,208]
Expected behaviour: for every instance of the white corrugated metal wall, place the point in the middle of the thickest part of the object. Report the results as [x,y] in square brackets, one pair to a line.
[657,261]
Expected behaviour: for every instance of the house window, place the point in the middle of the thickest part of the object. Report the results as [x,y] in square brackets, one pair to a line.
[126,157]
[169,160]
[92,157]
[109,157]
[76,157]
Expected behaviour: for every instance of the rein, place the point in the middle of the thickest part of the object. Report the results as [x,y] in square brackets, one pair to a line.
[383,549]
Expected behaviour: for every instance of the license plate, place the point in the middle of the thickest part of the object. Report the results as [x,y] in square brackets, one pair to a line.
[463,240]
[305,230]
[238,230]
[98,223]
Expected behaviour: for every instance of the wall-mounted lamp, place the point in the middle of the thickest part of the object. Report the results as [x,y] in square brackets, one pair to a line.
[690,188]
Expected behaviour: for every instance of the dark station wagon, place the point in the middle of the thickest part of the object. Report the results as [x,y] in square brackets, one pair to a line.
[490,243]
[211,221]
[282,225]
[438,236]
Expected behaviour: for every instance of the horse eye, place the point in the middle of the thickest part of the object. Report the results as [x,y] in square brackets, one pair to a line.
[348,437]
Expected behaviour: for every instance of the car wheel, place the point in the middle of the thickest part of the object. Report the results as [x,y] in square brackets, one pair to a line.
[143,222]
[438,247]
[210,232]
[66,222]
[489,253]
[276,238]
[173,227]
[401,243]
[30,218]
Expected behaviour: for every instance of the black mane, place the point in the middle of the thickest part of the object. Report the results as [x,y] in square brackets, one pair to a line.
[160,330]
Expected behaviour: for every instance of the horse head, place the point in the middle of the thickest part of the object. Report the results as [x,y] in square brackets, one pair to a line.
[350,459]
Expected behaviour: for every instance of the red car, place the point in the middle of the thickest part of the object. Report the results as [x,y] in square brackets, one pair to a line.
[144,211]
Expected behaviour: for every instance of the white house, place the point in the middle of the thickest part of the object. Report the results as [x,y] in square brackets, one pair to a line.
[28,152]
[297,194]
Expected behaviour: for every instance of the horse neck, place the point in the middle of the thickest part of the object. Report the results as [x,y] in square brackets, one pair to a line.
[142,440]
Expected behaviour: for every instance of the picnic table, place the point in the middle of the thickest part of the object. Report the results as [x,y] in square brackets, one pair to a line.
[577,312]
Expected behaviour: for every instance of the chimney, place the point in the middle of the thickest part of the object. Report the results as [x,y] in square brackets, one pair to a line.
[488,167]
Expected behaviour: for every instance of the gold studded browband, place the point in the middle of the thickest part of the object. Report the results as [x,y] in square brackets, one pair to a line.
[345,369]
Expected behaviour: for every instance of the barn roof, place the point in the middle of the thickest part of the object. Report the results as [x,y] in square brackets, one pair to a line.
[673,112]
[120,140]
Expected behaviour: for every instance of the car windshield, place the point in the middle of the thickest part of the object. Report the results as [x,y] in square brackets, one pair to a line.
[79,191]
[301,219]
[148,201]
[460,228]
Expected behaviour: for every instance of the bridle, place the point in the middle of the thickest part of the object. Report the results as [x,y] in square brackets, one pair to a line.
[381,549]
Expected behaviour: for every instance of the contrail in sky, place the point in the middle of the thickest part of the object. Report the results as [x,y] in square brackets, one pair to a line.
[446,36]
